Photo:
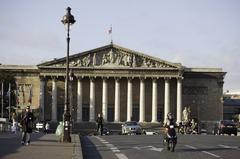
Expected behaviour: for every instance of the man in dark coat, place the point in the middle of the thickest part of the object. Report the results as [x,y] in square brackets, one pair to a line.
[27,126]
[99,123]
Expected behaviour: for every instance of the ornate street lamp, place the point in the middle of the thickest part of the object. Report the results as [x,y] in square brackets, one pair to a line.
[67,20]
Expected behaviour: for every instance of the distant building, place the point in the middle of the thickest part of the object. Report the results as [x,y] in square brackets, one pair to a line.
[232,95]
[122,84]
[231,105]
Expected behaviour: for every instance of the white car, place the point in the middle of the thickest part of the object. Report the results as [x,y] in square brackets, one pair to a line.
[131,127]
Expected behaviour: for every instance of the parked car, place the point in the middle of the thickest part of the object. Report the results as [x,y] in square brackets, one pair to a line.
[225,127]
[131,127]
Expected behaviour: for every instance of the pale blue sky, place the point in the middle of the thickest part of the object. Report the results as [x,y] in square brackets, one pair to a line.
[196,33]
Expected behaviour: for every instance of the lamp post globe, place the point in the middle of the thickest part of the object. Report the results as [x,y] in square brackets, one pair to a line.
[67,20]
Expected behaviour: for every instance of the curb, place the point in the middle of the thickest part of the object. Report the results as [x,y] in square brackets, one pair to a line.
[77,148]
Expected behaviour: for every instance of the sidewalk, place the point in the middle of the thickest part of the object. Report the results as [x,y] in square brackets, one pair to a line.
[44,146]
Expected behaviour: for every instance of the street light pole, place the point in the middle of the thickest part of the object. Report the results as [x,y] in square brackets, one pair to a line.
[67,20]
[2,100]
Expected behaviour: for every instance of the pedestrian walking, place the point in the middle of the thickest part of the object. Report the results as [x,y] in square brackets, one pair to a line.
[99,124]
[14,123]
[27,126]
[47,127]
[60,131]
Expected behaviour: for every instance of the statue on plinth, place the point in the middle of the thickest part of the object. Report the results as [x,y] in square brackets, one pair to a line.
[186,114]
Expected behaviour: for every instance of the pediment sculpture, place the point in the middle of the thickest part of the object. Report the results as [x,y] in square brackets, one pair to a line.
[115,58]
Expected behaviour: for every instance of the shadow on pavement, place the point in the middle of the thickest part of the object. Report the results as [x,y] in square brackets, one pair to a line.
[89,150]
[10,143]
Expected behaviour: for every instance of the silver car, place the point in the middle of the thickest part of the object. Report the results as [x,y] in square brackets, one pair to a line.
[131,127]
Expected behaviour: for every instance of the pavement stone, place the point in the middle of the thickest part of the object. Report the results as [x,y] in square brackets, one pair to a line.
[42,146]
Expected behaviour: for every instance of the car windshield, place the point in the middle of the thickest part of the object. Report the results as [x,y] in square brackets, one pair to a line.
[227,122]
[131,123]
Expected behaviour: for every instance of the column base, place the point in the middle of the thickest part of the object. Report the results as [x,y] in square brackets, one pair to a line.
[54,121]
[79,121]
[177,122]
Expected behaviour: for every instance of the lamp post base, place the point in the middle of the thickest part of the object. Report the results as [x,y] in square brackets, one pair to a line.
[66,135]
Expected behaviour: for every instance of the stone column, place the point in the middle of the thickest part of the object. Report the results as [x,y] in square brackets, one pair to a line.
[54,99]
[105,99]
[179,100]
[117,100]
[129,100]
[42,97]
[142,101]
[166,98]
[92,100]
[79,100]
[154,100]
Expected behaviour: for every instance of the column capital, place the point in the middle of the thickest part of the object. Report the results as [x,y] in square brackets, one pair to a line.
[54,78]
[142,78]
[130,78]
[92,79]
[154,79]
[117,78]
[105,77]
[180,78]
[167,78]
[80,77]
[42,78]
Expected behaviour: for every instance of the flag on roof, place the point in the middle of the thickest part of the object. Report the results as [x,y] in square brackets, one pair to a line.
[110,30]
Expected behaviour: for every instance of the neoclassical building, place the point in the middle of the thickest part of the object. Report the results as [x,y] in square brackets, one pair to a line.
[123,85]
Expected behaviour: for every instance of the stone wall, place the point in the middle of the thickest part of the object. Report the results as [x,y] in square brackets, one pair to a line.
[203,93]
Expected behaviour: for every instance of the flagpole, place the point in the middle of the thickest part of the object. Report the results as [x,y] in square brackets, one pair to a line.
[17,100]
[111,36]
[110,32]
[23,93]
[9,102]
[2,101]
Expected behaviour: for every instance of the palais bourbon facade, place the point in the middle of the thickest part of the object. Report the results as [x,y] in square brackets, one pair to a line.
[123,85]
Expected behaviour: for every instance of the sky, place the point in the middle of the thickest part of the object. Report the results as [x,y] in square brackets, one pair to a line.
[195,33]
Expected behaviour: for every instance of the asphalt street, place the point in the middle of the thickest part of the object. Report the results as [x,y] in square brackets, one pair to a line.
[151,147]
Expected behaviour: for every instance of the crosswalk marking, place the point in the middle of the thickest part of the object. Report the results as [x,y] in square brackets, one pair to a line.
[114,149]
[211,154]
[121,156]
[229,147]
[191,147]
[206,152]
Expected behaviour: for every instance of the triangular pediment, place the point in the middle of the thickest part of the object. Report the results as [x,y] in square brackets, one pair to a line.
[112,56]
